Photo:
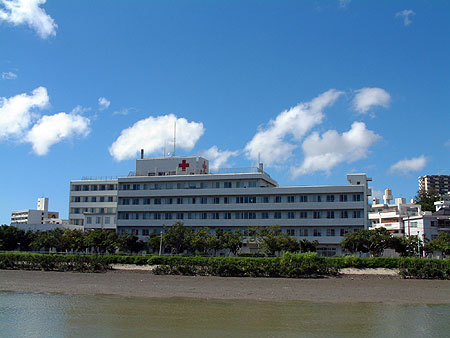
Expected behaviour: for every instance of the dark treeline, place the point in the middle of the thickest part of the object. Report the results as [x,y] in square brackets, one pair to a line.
[176,239]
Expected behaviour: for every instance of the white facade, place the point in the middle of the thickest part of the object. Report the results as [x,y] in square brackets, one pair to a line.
[32,216]
[148,202]
[401,218]
[93,203]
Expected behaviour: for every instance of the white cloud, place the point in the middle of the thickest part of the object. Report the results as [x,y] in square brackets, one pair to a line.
[9,76]
[218,158]
[124,111]
[16,112]
[322,153]
[406,166]
[103,103]
[405,14]
[51,129]
[28,12]
[271,142]
[366,98]
[152,134]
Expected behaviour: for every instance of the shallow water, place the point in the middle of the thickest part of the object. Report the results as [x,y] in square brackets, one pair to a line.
[52,315]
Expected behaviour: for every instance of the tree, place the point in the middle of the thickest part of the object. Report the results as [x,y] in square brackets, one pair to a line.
[216,241]
[407,246]
[130,243]
[102,241]
[373,241]
[271,239]
[232,241]
[307,246]
[176,237]
[426,199]
[200,240]
[357,241]
[440,243]
[12,238]
[154,242]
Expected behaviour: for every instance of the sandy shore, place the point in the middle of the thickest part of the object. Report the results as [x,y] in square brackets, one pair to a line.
[350,288]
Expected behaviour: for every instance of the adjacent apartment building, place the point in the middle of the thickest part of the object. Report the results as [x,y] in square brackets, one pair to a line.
[439,183]
[40,215]
[163,191]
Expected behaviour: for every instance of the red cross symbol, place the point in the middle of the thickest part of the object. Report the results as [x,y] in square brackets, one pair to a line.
[204,166]
[183,165]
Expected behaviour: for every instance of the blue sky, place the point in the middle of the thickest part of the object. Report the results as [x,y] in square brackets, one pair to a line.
[318,89]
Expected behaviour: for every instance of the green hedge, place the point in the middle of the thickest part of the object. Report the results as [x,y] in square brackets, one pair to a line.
[51,262]
[289,265]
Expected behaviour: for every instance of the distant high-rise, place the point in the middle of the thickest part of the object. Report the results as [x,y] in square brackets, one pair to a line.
[439,183]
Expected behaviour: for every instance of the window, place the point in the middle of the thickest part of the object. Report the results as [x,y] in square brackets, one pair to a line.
[146,201]
[168,200]
[330,232]
[291,199]
[277,215]
[304,232]
[204,185]
[215,215]
[111,187]
[203,215]
[227,215]
[156,215]
[180,215]
[277,199]
[110,199]
[343,232]
[226,200]
[89,220]
[330,198]
[344,214]
[216,185]
[107,219]
[76,199]
[342,198]
[264,215]
[290,232]
[356,197]
[251,199]
[238,184]
[193,200]
[146,215]
[413,224]
[291,215]
[316,214]
[357,214]
[145,232]
[135,215]
[252,184]
[85,199]
[167,215]
[227,184]
[265,199]
[203,200]
[216,200]
[125,201]
[125,187]
[317,232]
[93,199]
[252,215]
[180,185]
[93,188]
[158,186]
[136,187]
[169,186]
[319,198]
[239,199]
[303,214]
[158,200]
[303,198]
[330,214]
[134,232]
[101,199]
[135,201]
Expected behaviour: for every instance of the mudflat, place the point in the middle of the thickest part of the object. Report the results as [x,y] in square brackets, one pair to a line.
[344,289]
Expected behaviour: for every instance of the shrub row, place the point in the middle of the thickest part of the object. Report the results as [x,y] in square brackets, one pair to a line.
[52,262]
[289,265]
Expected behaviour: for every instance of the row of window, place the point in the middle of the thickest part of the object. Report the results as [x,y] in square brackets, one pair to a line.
[93,187]
[98,220]
[302,232]
[187,185]
[93,210]
[241,215]
[240,199]
[94,198]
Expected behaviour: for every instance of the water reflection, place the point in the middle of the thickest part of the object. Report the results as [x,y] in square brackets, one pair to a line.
[44,315]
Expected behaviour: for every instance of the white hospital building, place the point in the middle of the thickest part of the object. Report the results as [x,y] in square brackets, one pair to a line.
[163,191]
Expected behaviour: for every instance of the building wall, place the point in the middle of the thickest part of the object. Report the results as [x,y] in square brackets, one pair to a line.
[91,199]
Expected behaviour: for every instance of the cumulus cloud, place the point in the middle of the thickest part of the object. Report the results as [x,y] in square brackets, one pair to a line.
[16,112]
[52,129]
[29,12]
[272,143]
[407,166]
[405,14]
[103,103]
[218,158]
[366,98]
[322,153]
[9,76]
[152,134]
